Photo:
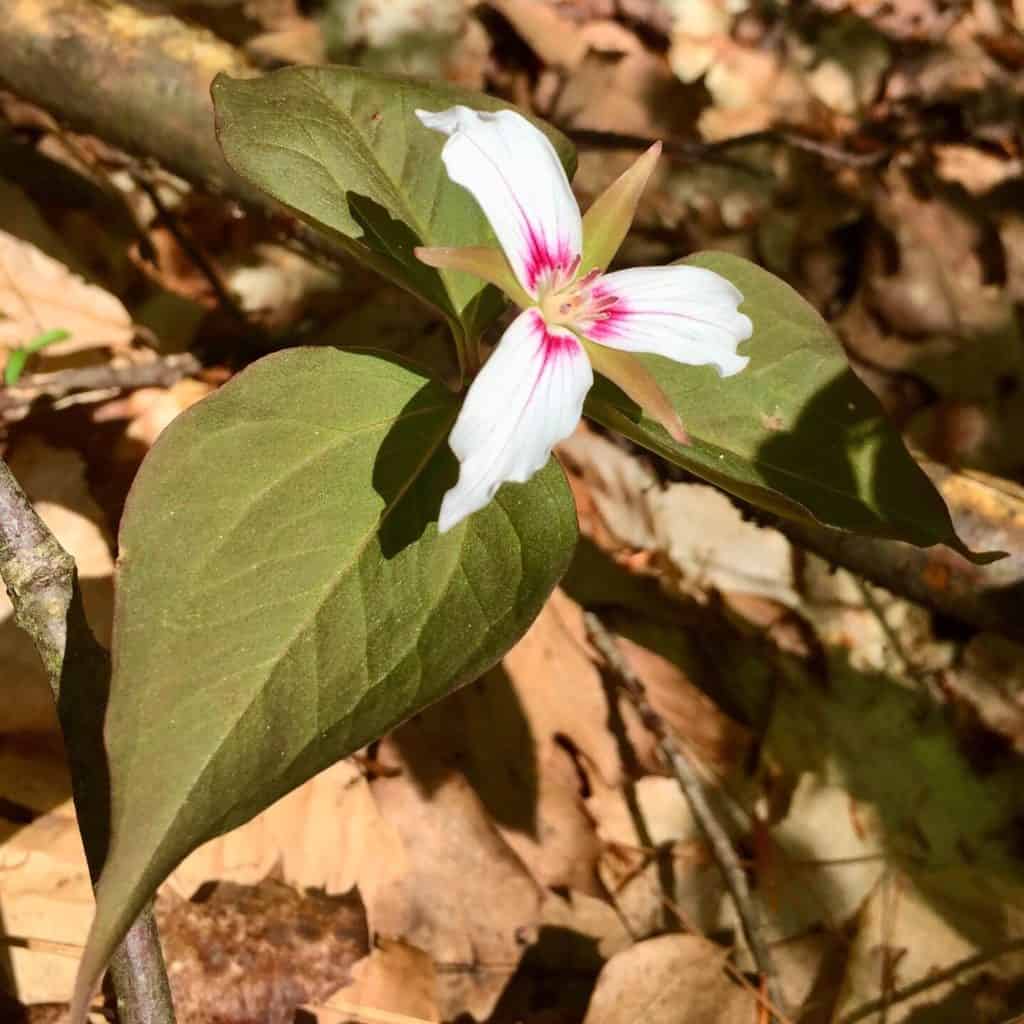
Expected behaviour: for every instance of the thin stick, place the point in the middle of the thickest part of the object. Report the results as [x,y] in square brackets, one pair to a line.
[194,252]
[763,1000]
[937,978]
[722,850]
[42,582]
[703,151]
[163,371]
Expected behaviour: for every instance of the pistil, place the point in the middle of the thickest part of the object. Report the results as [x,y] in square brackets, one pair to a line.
[578,306]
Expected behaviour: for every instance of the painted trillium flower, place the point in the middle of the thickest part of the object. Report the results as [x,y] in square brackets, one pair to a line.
[575,318]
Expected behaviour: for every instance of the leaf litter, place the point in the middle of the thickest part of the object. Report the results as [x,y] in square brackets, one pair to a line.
[520,853]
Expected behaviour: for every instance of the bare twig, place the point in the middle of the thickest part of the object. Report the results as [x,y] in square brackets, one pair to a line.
[42,582]
[700,151]
[935,978]
[161,372]
[722,849]
[763,1001]
[194,251]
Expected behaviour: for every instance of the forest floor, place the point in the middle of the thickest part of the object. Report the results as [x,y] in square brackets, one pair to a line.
[523,852]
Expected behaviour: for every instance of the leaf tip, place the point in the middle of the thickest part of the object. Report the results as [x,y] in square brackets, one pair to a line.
[679,433]
[982,558]
[432,256]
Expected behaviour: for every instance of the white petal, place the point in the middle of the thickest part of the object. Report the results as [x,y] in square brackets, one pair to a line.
[688,314]
[527,398]
[514,174]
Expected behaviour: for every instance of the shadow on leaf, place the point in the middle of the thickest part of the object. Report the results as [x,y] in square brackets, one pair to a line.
[414,467]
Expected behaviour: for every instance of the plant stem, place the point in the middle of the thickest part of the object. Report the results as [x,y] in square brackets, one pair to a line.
[140,978]
[42,582]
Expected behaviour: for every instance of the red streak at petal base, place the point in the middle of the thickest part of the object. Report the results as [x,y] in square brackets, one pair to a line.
[553,345]
[611,321]
[546,261]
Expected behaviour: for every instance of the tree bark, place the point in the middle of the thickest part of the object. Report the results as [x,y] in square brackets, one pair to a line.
[137,80]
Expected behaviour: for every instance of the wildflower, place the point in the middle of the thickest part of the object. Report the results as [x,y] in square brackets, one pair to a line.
[575,317]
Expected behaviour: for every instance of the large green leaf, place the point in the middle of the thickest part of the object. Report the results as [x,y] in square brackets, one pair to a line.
[284,598]
[343,148]
[796,432]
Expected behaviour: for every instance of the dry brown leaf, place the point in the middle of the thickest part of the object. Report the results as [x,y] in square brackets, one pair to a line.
[394,978]
[1011,231]
[562,697]
[752,88]
[23,219]
[939,286]
[656,865]
[632,93]
[525,737]
[990,679]
[910,20]
[673,979]
[46,905]
[910,929]
[557,41]
[54,478]
[408,36]
[297,42]
[150,411]
[718,742]
[466,899]
[979,172]
[255,953]
[698,534]
[328,834]
[39,294]
[34,775]
[819,863]
[590,917]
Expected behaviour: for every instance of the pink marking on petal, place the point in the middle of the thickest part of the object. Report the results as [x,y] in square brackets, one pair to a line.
[610,314]
[551,347]
[557,346]
[543,260]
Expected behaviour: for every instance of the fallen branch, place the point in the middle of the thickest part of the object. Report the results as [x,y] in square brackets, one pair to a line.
[695,152]
[722,849]
[137,80]
[142,82]
[42,582]
[989,516]
[162,372]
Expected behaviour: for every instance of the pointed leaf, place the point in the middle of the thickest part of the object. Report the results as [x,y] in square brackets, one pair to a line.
[485,262]
[342,148]
[627,372]
[796,432]
[610,216]
[284,598]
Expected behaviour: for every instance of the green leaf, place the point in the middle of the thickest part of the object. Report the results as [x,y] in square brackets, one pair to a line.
[796,432]
[284,599]
[343,149]
[17,358]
